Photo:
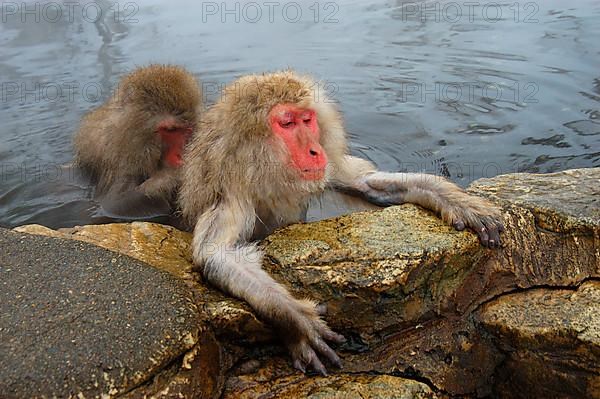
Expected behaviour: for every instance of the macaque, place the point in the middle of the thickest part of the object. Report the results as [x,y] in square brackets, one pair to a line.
[132,145]
[259,155]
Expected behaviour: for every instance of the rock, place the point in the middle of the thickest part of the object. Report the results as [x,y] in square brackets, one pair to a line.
[550,336]
[406,290]
[562,202]
[168,249]
[385,277]
[199,374]
[401,286]
[274,379]
[163,247]
[552,233]
[77,320]
[374,269]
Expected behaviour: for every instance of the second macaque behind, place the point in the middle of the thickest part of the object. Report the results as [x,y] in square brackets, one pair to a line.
[132,146]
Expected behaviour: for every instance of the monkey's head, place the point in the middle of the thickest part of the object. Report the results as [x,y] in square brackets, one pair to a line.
[284,130]
[162,89]
[163,101]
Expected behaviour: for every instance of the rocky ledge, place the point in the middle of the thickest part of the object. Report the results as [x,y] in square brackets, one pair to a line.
[427,312]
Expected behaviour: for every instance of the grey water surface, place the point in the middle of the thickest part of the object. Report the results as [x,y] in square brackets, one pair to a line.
[461,89]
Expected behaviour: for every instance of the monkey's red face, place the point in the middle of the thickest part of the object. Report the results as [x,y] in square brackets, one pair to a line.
[299,130]
[174,136]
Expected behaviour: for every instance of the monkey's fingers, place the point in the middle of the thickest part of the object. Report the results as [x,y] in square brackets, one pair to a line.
[329,335]
[318,333]
[317,339]
[299,365]
[324,330]
[488,230]
[326,351]
[483,236]
[333,337]
[494,228]
[459,225]
[316,364]
[304,356]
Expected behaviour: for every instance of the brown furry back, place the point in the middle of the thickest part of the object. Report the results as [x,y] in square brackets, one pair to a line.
[117,142]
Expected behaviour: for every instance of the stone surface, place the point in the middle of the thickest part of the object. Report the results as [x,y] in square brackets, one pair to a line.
[168,249]
[273,378]
[163,247]
[551,336]
[552,233]
[77,320]
[405,290]
[561,202]
[374,269]
[199,374]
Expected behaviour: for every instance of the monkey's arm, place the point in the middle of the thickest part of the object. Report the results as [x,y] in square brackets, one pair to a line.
[133,204]
[455,206]
[234,266]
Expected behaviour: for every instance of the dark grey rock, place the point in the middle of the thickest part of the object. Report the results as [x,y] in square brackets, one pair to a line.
[79,320]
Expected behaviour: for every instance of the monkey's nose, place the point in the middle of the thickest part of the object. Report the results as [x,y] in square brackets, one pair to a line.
[313,152]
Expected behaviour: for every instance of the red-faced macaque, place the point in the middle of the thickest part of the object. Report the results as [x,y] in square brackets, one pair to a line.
[259,155]
[132,145]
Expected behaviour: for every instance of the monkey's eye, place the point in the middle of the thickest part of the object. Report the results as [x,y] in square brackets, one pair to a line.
[307,120]
[287,124]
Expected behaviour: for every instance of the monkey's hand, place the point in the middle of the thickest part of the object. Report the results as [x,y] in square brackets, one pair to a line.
[237,269]
[161,184]
[304,333]
[457,207]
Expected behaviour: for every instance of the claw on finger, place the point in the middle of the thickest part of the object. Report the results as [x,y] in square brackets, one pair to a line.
[331,336]
[317,365]
[326,351]
[299,366]
[335,337]
[493,230]
[494,240]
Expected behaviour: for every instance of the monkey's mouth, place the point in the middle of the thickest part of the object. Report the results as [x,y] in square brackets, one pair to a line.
[312,174]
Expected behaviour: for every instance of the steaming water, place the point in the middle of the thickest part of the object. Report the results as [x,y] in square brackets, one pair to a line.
[442,87]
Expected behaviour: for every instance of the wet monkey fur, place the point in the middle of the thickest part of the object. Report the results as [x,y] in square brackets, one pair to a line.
[258,156]
[132,145]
